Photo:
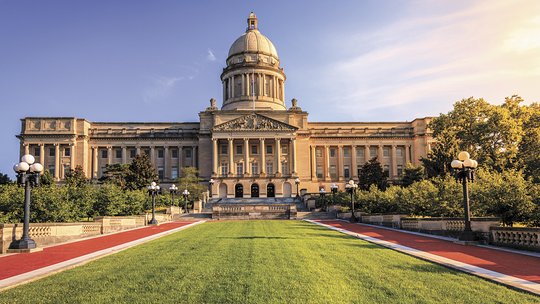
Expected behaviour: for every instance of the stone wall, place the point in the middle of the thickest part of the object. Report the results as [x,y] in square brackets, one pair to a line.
[450,226]
[248,212]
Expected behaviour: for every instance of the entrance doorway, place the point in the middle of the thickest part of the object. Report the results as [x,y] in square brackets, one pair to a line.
[270,190]
[254,190]
[238,190]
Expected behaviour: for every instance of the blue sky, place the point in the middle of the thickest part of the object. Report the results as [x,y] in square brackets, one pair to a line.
[344,60]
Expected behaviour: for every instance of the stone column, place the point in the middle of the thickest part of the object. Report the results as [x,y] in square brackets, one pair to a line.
[153,156]
[327,162]
[42,154]
[263,157]
[293,150]
[247,169]
[380,154]
[340,163]
[407,154]
[394,161]
[180,156]
[232,90]
[367,156]
[72,156]
[243,85]
[95,151]
[354,171]
[214,156]
[109,155]
[166,169]
[124,155]
[138,152]
[26,149]
[313,162]
[231,155]
[57,161]
[278,156]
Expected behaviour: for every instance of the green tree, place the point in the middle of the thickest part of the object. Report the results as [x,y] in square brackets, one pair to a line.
[141,173]
[46,179]
[76,177]
[412,174]
[372,173]
[528,156]
[116,174]
[189,179]
[4,179]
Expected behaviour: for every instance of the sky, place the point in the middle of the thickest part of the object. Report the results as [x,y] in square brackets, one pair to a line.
[160,60]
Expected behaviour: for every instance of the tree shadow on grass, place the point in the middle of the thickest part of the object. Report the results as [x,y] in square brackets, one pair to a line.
[252,237]
[427,268]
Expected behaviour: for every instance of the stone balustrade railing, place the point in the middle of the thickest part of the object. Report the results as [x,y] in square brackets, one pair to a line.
[449,226]
[253,211]
[516,237]
[388,220]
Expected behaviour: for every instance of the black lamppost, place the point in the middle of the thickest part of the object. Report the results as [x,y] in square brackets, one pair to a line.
[334,189]
[153,190]
[351,188]
[185,193]
[28,176]
[211,183]
[297,182]
[322,194]
[464,168]
[173,190]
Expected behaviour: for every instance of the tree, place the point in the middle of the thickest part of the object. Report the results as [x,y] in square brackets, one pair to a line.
[76,177]
[4,179]
[116,174]
[46,179]
[189,179]
[372,173]
[141,173]
[412,174]
[528,155]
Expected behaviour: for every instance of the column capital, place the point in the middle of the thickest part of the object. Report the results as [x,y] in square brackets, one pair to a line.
[109,147]
[41,144]
[56,144]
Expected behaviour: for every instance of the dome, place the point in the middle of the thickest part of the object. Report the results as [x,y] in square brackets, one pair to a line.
[253,41]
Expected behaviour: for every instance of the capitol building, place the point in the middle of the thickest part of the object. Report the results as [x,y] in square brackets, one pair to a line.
[255,145]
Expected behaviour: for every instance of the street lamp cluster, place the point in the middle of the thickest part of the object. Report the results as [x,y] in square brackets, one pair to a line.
[28,172]
[351,187]
[464,168]
[153,190]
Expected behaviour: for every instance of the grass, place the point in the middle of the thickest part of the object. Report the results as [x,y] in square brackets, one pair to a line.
[261,262]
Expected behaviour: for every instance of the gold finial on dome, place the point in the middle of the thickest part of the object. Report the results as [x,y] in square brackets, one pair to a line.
[252,22]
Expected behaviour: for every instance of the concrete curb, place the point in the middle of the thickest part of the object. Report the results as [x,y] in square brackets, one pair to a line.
[498,277]
[78,261]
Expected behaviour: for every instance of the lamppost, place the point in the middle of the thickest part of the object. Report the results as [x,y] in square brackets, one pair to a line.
[185,193]
[297,182]
[153,190]
[334,189]
[351,188]
[211,183]
[28,176]
[322,194]
[172,190]
[464,168]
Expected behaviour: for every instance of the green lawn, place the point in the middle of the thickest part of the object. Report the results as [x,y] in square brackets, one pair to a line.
[261,262]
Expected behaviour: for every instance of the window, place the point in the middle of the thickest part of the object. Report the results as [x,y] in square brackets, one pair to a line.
[66,168]
[332,152]
[147,152]
[132,153]
[101,171]
[284,149]
[37,151]
[333,172]
[223,149]
[372,152]
[239,149]
[104,154]
[174,172]
[269,150]
[67,151]
[51,169]
[51,151]
[285,167]
[318,152]
[399,152]
[319,172]
[160,153]
[358,170]
[239,168]
[386,170]
[360,153]
[161,173]
[386,151]
[346,152]
[224,169]
[346,172]
[270,168]
[399,170]
[254,150]
[174,153]
[118,153]
[188,153]
[254,168]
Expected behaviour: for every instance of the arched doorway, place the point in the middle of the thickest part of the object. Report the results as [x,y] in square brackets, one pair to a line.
[254,190]
[238,190]
[222,190]
[270,190]
[287,189]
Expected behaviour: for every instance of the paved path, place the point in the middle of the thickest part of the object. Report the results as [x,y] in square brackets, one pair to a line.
[510,268]
[23,267]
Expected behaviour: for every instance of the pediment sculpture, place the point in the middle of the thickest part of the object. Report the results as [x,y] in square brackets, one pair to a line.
[254,122]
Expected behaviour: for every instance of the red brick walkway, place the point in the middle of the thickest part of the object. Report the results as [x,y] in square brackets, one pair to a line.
[512,264]
[16,264]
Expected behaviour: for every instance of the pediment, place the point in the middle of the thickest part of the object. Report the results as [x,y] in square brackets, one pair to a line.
[254,122]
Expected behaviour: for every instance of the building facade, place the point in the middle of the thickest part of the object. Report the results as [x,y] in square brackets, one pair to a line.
[254,145]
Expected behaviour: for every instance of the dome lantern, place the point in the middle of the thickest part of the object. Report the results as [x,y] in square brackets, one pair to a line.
[252,22]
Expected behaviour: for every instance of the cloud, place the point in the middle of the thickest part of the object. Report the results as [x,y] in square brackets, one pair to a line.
[159,88]
[480,50]
[210,55]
